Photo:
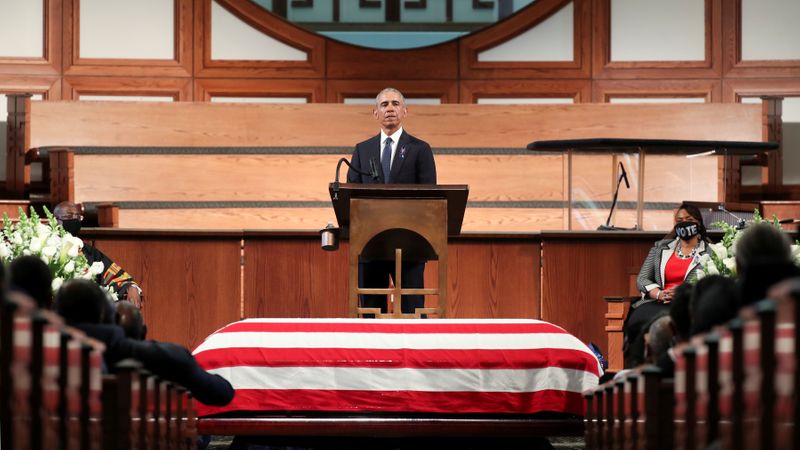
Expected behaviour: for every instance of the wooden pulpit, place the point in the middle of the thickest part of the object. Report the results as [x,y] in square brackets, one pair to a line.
[401,223]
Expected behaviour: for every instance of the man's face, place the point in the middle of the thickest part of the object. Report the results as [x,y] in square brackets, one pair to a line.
[390,111]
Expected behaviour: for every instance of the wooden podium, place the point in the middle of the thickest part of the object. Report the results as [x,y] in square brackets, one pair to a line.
[400,222]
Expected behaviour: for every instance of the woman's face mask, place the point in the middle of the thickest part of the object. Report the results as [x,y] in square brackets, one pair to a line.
[687,230]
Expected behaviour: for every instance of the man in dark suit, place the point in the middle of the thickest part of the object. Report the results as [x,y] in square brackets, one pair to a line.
[400,159]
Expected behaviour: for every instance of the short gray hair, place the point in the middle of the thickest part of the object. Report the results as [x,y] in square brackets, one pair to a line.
[390,89]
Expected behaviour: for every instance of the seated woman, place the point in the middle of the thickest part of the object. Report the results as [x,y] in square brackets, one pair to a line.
[672,261]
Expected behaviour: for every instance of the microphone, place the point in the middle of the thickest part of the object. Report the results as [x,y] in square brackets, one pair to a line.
[624,175]
[740,223]
[338,168]
[373,169]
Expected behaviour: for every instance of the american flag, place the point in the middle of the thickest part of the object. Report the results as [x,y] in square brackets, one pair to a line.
[400,366]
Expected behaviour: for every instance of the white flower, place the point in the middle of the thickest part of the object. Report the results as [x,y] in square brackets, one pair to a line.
[53,241]
[86,275]
[69,267]
[45,259]
[35,244]
[719,250]
[704,258]
[49,251]
[730,264]
[57,282]
[42,230]
[96,268]
[701,274]
[5,250]
[16,238]
[26,252]
[712,269]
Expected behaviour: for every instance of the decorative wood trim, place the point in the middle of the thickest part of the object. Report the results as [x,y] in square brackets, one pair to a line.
[579,90]
[268,24]
[446,91]
[18,141]
[604,90]
[50,63]
[350,62]
[179,66]
[312,90]
[604,67]
[734,90]
[49,86]
[179,89]
[524,20]
[732,60]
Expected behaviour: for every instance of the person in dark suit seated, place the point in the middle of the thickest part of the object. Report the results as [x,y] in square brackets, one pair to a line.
[129,318]
[83,305]
[671,261]
[401,159]
[69,216]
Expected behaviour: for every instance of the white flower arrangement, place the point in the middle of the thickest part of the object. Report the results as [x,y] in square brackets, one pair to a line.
[58,249]
[721,259]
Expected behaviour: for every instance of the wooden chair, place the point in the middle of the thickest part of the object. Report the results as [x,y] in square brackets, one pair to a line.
[617,310]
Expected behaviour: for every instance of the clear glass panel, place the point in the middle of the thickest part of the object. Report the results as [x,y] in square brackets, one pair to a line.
[668,181]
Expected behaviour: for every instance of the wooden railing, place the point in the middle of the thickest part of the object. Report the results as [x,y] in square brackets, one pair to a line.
[735,388]
[53,394]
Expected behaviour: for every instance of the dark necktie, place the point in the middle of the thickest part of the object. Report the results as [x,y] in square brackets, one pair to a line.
[386,159]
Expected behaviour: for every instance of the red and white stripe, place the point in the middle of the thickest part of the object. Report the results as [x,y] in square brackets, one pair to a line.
[433,366]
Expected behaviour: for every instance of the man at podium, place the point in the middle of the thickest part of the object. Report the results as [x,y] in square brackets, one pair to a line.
[398,158]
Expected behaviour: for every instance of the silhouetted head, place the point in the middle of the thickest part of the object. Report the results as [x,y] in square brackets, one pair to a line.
[31,276]
[81,301]
[129,317]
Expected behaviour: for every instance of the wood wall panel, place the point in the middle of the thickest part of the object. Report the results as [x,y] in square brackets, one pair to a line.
[179,66]
[348,62]
[446,91]
[733,90]
[490,278]
[710,90]
[734,66]
[50,63]
[191,284]
[579,90]
[48,86]
[604,67]
[294,277]
[580,67]
[180,89]
[312,90]
[577,273]
[260,19]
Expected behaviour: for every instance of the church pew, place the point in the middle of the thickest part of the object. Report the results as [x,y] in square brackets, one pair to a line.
[470,140]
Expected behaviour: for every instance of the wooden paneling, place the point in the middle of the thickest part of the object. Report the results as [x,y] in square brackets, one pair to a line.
[577,273]
[294,277]
[48,86]
[50,62]
[177,88]
[733,90]
[460,126]
[578,90]
[710,90]
[179,66]
[191,284]
[312,90]
[445,91]
[350,62]
[604,67]
[470,46]
[491,278]
[269,24]
[732,50]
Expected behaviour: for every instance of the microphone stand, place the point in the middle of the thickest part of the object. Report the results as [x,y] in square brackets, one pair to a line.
[740,223]
[374,175]
[608,226]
